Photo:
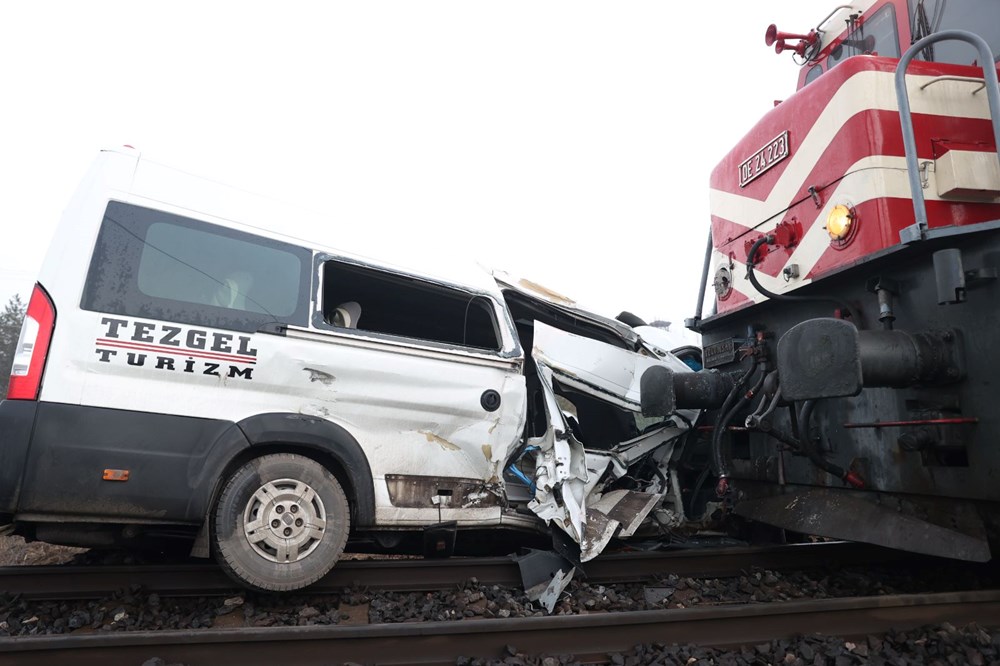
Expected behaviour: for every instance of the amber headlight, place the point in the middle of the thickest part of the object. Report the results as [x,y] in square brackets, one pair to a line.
[840,223]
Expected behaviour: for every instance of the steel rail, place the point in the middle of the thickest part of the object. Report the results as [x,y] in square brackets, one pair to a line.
[443,642]
[92,582]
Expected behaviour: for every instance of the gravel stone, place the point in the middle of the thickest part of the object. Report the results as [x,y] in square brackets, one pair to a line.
[308,612]
[134,609]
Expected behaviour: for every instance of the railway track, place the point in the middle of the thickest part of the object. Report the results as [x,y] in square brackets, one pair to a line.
[91,582]
[586,636]
[591,637]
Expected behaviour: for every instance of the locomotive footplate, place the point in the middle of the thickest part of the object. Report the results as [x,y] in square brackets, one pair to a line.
[932,526]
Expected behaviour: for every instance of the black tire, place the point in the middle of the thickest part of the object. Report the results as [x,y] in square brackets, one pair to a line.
[301,533]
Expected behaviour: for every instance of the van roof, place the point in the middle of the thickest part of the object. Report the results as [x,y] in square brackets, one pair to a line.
[166,187]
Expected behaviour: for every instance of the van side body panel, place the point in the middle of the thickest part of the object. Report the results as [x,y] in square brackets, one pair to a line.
[164,456]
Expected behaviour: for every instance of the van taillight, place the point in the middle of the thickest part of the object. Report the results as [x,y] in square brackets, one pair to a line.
[32,347]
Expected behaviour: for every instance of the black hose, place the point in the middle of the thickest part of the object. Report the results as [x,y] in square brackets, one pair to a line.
[727,403]
[721,467]
[809,446]
[788,440]
[714,448]
[697,489]
[794,418]
[751,260]
[725,450]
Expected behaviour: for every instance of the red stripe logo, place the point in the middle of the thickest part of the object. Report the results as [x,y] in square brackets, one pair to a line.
[176,351]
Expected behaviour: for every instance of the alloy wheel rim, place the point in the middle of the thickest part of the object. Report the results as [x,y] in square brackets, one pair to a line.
[284,520]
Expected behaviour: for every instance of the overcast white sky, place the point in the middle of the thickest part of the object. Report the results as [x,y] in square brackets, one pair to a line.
[566,142]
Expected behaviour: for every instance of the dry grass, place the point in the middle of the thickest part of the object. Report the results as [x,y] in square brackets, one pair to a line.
[14,551]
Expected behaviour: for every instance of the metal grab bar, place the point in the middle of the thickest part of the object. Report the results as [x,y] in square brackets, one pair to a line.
[919,230]
[960,79]
[819,26]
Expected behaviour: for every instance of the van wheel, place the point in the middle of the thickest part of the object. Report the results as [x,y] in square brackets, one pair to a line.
[280,523]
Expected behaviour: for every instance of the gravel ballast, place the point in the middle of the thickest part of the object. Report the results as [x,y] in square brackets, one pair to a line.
[135,609]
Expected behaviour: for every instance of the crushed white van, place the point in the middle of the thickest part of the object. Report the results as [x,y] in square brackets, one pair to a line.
[186,370]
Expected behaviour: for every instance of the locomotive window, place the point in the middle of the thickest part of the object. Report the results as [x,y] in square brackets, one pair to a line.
[877,34]
[981,17]
[813,73]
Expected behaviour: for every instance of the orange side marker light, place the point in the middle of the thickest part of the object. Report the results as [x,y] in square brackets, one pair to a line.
[116,475]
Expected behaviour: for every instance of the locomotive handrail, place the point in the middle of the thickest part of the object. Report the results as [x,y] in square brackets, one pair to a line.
[919,230]
[819,26]
[959,79]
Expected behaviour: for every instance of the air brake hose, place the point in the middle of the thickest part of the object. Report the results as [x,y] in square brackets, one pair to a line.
[727,403]
[724,451]
[728,410]
[768,239]
[809,447]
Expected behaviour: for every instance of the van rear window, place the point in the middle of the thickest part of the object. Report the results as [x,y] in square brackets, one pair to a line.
[152,264]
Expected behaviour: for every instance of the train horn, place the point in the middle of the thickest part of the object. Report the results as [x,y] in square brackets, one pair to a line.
[777,39]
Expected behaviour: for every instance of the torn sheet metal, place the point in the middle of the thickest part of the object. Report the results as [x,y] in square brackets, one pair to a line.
[544,575]
[608,373]
[568,488]
[617,512]
[561,474]
[549,300]
[632,450]
[550,595]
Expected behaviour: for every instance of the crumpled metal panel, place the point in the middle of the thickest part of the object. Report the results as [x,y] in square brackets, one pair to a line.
[544,575]
[617,512]
[561,463]
[567,494]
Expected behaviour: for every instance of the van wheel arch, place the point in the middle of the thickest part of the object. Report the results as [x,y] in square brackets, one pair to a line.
[323,441]
[326,442]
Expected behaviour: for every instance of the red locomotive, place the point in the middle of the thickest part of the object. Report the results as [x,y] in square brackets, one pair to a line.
[852,353]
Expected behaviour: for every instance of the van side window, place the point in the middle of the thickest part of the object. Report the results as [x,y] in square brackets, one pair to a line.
[371,300]
[152,264]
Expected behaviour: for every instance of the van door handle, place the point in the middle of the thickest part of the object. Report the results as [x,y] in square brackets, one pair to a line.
[490,400]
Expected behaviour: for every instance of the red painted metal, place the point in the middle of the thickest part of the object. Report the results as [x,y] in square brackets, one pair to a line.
[844,142]
[854,480]
[894,424]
